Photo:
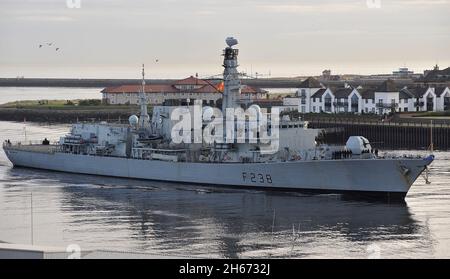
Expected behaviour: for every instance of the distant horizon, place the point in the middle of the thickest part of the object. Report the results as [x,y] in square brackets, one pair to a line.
[130,72]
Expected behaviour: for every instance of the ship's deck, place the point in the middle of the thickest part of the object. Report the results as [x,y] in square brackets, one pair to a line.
[40,148]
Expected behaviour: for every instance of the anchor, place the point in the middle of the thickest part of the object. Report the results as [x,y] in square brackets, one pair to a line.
[426,175]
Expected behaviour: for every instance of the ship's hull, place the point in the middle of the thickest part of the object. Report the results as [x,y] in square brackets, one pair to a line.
[390,178]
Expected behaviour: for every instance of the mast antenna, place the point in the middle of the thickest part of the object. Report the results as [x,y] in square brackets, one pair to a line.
[144,118]
[431,137]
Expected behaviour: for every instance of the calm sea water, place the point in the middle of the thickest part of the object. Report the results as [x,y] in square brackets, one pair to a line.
[11,94]
[186,220]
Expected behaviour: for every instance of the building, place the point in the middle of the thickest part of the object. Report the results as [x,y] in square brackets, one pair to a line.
[182,91]
[313,97]
[435,77]
[302,99]
[326,75]
[403,73]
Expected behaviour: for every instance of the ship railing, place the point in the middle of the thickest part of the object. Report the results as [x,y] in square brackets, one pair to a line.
[145,153]
[33,146]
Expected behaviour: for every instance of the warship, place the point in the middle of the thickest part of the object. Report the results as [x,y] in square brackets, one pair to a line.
[282,154]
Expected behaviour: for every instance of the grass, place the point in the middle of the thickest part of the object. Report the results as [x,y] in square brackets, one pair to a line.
[433,114]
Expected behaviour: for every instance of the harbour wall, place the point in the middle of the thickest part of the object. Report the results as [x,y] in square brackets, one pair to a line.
[389,135]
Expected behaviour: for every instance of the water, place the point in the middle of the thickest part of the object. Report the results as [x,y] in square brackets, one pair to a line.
[11,94]
[142,216]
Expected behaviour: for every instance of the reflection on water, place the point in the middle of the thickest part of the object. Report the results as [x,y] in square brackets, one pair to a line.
[145,216]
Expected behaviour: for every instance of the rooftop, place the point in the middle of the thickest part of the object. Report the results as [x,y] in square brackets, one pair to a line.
[310,83]
[187,85]
[387,86]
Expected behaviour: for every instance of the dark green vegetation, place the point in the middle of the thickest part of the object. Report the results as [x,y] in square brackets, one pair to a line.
[65,111]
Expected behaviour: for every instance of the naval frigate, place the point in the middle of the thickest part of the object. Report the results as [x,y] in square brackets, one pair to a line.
[145,148]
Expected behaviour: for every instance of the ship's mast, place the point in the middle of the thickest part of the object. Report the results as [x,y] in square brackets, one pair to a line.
[232,83]
[143,118]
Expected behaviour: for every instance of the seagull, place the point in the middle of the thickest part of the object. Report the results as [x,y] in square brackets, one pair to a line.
[49,44]
[57,48]
[40,46]
[157,60]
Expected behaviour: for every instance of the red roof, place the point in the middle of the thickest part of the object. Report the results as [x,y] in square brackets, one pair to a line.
[246,89]
[191,81]
[206,87]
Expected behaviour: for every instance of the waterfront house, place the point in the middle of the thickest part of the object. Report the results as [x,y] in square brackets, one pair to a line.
[313,97]
[184,91]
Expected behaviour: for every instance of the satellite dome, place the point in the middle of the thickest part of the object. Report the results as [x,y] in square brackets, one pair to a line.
[231,41]
[133,120]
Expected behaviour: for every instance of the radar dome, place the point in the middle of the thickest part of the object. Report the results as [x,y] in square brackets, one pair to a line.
[358,144]
[231,41]
[133,120]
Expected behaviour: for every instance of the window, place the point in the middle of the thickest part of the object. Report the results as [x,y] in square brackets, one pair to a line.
[392,101]
[314,108]
[380,101]
[328,103]
[367,101]
[405,109]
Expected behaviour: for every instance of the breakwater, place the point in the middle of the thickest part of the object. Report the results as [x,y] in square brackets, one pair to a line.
[260,82]
[387,135]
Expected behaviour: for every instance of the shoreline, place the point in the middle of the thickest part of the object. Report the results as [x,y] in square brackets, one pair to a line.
[98,83]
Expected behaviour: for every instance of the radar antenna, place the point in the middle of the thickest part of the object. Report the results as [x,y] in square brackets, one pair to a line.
[144,118]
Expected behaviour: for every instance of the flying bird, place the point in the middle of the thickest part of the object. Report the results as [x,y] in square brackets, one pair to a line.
[49,44]
[40,46]
[57,48]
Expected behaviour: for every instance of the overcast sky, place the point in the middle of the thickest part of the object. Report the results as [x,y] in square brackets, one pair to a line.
[111,38]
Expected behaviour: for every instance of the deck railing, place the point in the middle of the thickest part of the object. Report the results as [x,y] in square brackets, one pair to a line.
[33,146]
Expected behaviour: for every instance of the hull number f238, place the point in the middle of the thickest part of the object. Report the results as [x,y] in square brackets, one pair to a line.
[256,177]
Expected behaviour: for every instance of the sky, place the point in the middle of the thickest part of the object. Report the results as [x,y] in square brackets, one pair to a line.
[178,38]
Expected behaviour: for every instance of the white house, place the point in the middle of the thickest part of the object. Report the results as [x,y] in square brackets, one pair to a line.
[443,98]
[305,90]
[387,97]
[312,97]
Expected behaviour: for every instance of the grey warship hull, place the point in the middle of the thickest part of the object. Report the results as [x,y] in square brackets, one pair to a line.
[390,178]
